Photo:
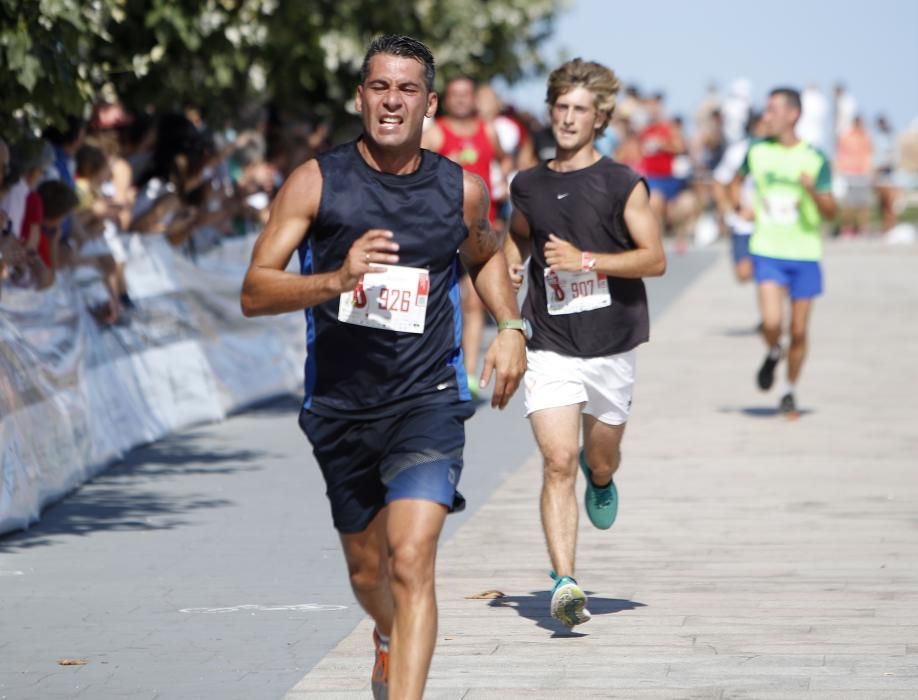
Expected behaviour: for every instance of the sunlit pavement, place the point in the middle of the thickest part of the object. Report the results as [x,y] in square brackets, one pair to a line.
[754,556]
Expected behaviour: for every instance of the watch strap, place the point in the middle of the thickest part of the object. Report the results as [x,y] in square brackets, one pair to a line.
[514,323]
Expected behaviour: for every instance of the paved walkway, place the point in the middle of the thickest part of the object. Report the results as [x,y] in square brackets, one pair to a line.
[754,557]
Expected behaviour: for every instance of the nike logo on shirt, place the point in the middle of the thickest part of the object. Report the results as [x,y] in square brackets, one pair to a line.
[563,195]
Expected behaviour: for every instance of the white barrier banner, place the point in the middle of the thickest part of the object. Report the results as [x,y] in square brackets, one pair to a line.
[75,396]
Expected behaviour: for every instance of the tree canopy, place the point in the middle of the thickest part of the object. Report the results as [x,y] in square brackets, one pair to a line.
[58,55]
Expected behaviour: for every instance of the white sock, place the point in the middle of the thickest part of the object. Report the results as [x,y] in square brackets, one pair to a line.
[775,352]
[383,640]
[786,387]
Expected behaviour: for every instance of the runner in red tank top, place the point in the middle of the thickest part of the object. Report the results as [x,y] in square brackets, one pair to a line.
[464,137]
[473,152]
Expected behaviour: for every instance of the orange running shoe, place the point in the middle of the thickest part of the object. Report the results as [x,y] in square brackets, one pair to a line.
[379,680]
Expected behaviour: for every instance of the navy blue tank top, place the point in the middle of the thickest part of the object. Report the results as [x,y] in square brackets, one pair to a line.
[358,372]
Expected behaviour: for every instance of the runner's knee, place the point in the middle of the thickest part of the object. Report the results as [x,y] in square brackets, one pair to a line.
[412,564]
[798,338]
[367,577]
[560,464]
[604,460]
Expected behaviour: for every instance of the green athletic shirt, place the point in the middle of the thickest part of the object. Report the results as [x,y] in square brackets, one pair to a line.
[787,221]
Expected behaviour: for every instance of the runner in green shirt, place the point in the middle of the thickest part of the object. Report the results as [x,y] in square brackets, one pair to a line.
[793,186]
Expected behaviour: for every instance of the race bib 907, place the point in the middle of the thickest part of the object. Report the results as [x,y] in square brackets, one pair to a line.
[392,300]
[573,292]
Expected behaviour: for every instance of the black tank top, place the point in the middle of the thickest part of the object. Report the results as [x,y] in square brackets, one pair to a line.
[585,207]
[360,372]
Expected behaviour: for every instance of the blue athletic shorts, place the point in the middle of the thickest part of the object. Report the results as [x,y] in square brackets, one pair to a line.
[802,278]
[669,187]
[370,463]
[740,247]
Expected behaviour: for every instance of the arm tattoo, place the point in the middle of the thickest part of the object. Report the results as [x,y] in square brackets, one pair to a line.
[485,236]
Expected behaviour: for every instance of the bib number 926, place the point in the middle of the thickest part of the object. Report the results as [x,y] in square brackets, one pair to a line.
[394,299]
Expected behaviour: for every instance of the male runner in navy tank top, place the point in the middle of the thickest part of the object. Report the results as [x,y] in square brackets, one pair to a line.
[587,224]
[377,224]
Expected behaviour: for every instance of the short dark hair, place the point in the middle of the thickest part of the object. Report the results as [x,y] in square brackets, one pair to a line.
[461,77]
[90,161]
[791,95]
[33,154]
[57,198]
[73,127]
[396,45]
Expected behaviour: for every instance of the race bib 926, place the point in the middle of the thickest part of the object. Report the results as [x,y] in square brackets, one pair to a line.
[392,300]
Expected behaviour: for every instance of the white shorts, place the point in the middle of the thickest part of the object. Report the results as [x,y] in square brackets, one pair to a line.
[108,243]
[114,243]
[603,384]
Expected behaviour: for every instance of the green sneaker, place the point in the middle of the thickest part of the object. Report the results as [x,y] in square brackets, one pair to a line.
[568,601]
[601,504]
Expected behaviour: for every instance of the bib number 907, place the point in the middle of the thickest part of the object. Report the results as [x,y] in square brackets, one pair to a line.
[574,292]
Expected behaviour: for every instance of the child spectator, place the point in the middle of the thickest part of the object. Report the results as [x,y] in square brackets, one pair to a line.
[35,157]
[96,211]
[59,202]
[13,190]
[20,264]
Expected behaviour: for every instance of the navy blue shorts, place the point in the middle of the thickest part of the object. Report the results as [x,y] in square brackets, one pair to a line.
[370,463]
[801,278]
[740,247]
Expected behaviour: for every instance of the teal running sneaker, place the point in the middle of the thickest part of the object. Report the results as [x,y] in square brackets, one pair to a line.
[601,504]
[568,601]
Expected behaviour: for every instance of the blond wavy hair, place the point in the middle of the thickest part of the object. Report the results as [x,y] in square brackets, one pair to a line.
[595,77]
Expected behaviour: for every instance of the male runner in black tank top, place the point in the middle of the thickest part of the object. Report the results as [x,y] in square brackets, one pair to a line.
[587,223]
[377,224]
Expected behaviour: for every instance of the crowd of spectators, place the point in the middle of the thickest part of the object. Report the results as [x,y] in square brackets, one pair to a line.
[875,174]
[68,195]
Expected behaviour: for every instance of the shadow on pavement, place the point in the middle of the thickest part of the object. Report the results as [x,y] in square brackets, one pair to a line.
[535,607]
[744,332]
[126,497]
[285,405]
[764,411]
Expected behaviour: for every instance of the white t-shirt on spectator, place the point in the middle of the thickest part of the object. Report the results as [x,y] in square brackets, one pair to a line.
[508,133]
[812,126]
[724,173]
[14,204]
[735,110]
[845,112]
[147,195]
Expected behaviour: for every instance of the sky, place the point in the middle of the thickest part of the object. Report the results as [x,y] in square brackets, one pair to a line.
[679,47]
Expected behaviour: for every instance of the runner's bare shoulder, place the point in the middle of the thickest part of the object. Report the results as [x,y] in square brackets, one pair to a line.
[475,195]
[301,193]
